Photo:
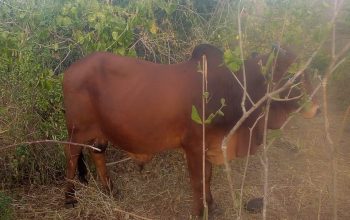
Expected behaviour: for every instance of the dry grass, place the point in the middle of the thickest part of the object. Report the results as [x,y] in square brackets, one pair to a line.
[299,183]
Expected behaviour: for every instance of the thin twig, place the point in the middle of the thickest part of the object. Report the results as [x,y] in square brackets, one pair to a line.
[49,141]
[204,101]
[54,72]
[131,214]
[345,119]
[119,161]
[246,114]
[242,56]
[265,158]
[246,165]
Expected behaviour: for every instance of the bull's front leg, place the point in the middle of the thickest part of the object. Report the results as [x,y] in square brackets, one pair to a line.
[195,166]
[72,154]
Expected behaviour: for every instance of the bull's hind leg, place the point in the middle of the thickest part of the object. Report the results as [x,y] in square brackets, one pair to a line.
[72,154]
[99,158]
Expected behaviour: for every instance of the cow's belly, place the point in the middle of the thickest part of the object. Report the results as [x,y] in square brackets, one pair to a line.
[137,141]
[143,128]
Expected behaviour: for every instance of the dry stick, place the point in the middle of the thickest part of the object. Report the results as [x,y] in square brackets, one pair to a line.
[272,141]
[131,214]
[250,111]
[301,107]
[331,147]
[240,84]
[119,161]
[246,165]
[345,118]
[225,140]
[319,205]
[242,56]
[294,113]
[54,72]
[49,141]
[283,126]
[228,169]
[333,29]
[334,64]
[204,101]
[265,161]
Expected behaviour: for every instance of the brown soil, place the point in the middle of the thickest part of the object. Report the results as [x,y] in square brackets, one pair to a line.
[299,183]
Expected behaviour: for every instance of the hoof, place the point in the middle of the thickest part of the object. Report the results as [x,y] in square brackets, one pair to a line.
[70,203]
[114,193]
[254,205]
[140,167]
[83,180]
[214,209]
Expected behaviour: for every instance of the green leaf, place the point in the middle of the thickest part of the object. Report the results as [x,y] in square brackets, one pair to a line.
[171,7]
[275,134]
[55,46]
[220,113]
[223,102]
[66,21]
[120,51]
[98,27]
[206,95]
[210,118]
[2,110]
[195,115]
[115,35]
[232,60]
[153,28]
[293,68]
[74,11]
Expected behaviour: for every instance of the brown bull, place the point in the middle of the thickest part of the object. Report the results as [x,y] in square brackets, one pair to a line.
[144,108]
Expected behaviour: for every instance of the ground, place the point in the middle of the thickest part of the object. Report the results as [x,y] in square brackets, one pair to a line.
[299,183]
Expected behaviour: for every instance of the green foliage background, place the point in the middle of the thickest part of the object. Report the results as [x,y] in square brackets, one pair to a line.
[39,39]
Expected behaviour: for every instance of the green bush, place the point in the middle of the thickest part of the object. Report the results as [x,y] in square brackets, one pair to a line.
[5,207]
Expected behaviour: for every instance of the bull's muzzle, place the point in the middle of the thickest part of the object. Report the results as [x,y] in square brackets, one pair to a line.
[312,111]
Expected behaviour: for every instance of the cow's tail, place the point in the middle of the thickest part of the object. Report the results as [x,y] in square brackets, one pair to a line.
[82,169]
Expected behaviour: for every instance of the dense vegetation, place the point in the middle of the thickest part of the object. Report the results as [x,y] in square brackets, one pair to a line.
[40,39]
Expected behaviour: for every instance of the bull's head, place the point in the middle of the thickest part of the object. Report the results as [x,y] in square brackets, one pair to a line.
[294,97]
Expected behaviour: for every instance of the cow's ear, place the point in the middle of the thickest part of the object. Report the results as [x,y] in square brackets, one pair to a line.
[254,54]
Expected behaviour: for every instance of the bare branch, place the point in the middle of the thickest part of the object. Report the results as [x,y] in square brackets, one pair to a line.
[204,101]
[246,165]
[265,158]
[240,84]
[49,141]
[119,161]
[242,56]
[54,72]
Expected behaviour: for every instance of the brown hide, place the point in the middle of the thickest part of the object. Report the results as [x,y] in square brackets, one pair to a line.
[144,108]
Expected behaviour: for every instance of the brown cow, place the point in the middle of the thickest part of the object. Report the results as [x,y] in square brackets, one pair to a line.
[145,108]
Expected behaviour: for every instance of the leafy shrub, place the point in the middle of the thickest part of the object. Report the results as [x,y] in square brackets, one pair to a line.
[5,207]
